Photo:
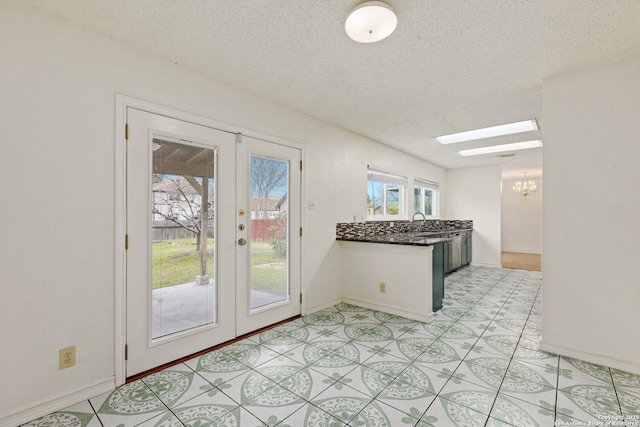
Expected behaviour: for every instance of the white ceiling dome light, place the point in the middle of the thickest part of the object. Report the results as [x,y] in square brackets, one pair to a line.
[370,22]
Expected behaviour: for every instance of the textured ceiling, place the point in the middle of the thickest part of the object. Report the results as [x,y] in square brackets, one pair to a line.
[450,66]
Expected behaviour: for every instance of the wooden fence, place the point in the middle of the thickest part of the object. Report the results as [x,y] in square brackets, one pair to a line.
[265,229]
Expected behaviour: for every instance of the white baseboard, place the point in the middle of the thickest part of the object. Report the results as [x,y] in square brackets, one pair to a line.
[427,318]
[600,359]
[315,308]
[58,403]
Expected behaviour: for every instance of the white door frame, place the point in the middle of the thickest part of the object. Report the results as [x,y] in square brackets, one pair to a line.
[120,205]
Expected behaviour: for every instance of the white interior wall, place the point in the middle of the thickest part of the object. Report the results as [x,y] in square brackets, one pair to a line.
[591,237]
[474,193]
[57,246]
[521,219]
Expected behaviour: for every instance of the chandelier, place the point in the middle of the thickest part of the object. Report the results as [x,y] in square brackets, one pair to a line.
[524,187]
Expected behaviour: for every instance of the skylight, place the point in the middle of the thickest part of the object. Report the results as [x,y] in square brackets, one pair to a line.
[501,148]
[508,129]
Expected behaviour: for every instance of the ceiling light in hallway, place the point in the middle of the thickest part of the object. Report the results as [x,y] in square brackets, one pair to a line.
[501,148]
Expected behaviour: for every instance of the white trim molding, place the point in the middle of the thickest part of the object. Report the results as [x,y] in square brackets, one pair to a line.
[328,304]
[58,403]
[600,359]
[426,318]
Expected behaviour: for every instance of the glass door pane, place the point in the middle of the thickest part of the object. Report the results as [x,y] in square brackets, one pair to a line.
[269,244]
[183,224]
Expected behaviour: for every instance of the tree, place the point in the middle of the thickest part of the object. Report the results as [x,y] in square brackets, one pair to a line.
[188,202]
[266,174]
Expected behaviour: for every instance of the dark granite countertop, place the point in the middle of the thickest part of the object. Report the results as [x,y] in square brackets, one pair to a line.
[422,238]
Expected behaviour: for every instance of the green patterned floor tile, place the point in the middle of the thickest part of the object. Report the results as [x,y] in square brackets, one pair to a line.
[342,402]
[582,371]
[176,384]
[326,333]
[389,353]
[350,308]
[279,370]
[348,365]
[283,335]
[443,412]
[536,357]
[521,413]
[587,408]
[369,332]
[439,355]
[372,413]
[626,381]
[247,386]
[128,405]
[65,418]
[393,319]
[274,405]
[504,345]
[361,317]
[166,419]
[297,354]
[324,318]
[470,395]
[308,383]
[529,391]
[219,362]
[629,403]
[311,415]
[405,330]
[386,375]
[484,371]
[332,366]
[546,375]
[410,400]
[438,327]
[315,351]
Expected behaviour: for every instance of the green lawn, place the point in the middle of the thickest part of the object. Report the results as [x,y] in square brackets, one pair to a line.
[177,261]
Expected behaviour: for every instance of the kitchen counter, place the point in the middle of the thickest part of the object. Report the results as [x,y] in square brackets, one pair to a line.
[422,238]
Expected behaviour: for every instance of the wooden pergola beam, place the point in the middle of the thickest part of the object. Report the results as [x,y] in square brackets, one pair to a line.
[171,167]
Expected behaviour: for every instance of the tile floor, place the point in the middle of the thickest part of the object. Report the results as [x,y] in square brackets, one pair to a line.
[476,364]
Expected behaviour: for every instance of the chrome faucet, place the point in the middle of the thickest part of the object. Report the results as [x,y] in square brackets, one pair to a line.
[424,220]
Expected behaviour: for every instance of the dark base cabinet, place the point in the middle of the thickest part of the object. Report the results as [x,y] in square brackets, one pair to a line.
[438,275]
[465,251]
[447,256]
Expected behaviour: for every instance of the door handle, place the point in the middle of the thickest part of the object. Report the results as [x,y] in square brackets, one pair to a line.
[242,242]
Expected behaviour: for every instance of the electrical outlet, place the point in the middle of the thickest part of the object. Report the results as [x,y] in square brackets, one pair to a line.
[68,357]
[383,288]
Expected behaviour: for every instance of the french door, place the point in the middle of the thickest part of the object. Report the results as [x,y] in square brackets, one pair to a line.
[268,224]
[210,255]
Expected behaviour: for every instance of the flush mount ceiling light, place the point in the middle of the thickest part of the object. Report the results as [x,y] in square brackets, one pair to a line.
[501,148]
[508,129]
[370,22]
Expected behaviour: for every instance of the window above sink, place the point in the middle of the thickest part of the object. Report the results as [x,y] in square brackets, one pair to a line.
[386,195]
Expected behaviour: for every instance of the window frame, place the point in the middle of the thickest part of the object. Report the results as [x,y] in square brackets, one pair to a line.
[390,181]
[424,184]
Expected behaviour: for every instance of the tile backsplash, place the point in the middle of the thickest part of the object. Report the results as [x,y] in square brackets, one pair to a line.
[354,230]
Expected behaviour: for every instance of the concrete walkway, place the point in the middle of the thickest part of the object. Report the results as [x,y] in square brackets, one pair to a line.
[181,307]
